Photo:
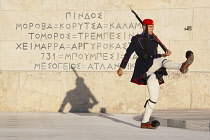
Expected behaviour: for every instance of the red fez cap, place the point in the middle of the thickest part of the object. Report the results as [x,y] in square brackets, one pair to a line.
[148,21]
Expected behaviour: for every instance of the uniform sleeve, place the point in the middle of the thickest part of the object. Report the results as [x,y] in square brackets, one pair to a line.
[132,47]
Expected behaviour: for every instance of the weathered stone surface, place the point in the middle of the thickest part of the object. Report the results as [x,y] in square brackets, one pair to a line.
[1,25]
[1,83]
[182,3]
[47,91]
[8,30]
[168,24]
[201,21]
[199,48]
[39,91]
[21,4]
[175,92]
[49,5]
[9,97]
[198,125]
[149,4]
[122,96]
[1,62]
[200,92]
[70,5]
[110,5]
[81,92]
[115,5]
[201,3]
[11,60]
[93,4]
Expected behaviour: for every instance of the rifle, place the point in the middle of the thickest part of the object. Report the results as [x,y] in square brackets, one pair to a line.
[161,44]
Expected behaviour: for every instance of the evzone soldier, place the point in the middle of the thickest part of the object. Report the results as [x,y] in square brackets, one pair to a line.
[151,66]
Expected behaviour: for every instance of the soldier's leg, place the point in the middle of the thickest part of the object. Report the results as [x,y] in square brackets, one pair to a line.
[153,88]
[182,67]
[153,84]
[168,64]
[163,62]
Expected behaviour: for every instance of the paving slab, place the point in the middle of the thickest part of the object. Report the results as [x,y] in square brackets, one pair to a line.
[195,119]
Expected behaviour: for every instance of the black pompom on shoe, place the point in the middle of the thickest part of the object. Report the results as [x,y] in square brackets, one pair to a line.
[155,123]
[190,58]
[188,53]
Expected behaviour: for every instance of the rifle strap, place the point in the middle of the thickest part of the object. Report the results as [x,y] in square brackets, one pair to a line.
[147,47]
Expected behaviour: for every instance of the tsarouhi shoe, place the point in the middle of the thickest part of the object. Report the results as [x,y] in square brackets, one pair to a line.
[188,62]
[148,125]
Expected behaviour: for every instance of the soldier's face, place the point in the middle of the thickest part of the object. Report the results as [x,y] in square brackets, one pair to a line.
[150,29]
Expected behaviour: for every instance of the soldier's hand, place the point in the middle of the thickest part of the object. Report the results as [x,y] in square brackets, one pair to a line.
[167,53]
[120,71]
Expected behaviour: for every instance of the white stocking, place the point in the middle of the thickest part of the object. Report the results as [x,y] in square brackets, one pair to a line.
[153,88]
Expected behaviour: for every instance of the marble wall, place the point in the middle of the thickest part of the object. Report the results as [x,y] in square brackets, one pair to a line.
[90,92]
[40,78]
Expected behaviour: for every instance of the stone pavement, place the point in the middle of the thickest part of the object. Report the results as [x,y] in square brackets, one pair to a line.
[189,119]
[87,126]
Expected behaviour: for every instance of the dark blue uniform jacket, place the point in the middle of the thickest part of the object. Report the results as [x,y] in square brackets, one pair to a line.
[143,63]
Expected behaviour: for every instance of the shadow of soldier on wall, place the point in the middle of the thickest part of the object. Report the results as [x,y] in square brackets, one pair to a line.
[81,99]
